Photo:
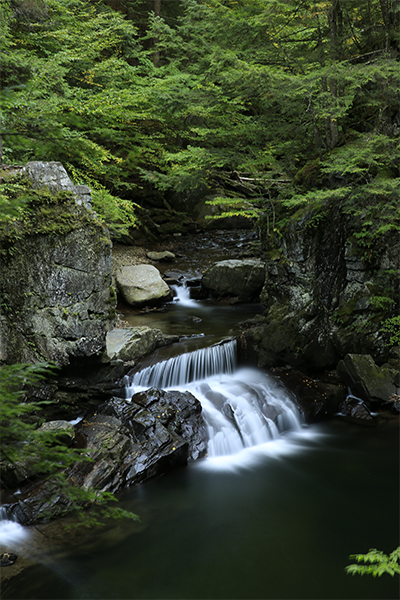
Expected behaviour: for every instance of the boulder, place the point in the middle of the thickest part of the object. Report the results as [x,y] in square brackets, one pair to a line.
[53,176]
[366,379]
[161,256]
[57,299]
[241,278]
[141,285]
[128,442]
[63,430]
[133,342]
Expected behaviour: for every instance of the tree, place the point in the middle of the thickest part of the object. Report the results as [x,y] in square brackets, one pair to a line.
[256,88]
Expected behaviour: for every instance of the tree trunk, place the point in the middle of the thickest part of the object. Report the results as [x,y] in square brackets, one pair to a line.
[335,21]
[156,53]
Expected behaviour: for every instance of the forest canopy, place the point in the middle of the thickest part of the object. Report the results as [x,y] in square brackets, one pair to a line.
[138,97]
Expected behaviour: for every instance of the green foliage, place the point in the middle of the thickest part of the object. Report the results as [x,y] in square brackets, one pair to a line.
[41,453]
[136,101]
[115,213]
[379,563]
[380,303]
[392,327]
[237,208]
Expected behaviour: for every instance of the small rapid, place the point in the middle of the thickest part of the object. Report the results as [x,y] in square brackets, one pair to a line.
[182,295]
[11,532]
[242,407]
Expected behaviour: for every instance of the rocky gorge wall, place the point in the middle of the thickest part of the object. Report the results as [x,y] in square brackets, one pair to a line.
[326,299]
[57,303]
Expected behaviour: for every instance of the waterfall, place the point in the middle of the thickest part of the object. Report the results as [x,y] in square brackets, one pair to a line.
[183,295]
[11,532]
[242,408]
[190,366]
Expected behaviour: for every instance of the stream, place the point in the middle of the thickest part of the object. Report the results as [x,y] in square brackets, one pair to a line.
[275,509]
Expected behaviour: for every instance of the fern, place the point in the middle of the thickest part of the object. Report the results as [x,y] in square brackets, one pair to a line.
[379,563]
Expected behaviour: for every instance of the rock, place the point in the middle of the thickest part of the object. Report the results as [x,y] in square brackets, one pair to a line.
[128,442]
[366,379]
[318,399]
[57,300]
[64,430]
[53,176]
[180,412]
[141,285]
[131,343]
[161,256]
[241,278]
[319,292]
[355,409]
[7,559]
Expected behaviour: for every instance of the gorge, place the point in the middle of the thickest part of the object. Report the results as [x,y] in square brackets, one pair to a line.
[199,298]
[261,440]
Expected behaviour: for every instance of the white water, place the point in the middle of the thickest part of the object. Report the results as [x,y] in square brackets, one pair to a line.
[183,295]
[243,408]
[11,532]
[190,366]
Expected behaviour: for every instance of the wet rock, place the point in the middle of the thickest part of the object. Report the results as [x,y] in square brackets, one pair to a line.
[318,399]
[366,379]
[141,285]
[7,559]
[241,278]
[128,344]
[64,431]
[128,442]
[181,413]
[355,409]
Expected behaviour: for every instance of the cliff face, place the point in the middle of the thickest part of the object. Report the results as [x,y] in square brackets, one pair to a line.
[325,298]
[57,301]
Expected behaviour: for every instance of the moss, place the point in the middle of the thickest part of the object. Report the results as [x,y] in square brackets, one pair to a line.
[40,212]
[113,294]
[308,176]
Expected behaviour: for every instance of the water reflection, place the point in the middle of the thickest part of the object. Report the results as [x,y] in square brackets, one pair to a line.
[202,317]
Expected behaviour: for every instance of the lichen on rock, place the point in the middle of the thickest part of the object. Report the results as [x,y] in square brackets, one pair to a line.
[56,275]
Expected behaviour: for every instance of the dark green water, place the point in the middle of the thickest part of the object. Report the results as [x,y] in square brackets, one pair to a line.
[283,527]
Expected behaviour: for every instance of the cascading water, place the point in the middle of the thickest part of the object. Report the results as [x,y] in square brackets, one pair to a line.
[10,530]
[182,295]
[242,408]
[188,367]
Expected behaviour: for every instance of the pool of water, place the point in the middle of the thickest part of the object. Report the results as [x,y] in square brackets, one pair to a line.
[205,319]
[279,525]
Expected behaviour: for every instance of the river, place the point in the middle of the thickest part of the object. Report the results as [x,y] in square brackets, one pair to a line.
[274,518]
